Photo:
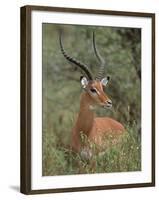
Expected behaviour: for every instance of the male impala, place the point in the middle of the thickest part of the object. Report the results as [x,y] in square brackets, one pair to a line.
[93,94]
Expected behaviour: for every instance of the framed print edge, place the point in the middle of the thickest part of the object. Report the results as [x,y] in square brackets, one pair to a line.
[153,99]
[25,146]
[25,90]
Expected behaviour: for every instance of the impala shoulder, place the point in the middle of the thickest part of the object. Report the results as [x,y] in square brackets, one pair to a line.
[110,123]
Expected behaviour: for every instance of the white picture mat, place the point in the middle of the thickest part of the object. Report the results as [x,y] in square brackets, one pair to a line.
[144,176]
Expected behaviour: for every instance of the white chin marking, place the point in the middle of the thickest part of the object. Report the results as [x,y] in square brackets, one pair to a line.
[105,106]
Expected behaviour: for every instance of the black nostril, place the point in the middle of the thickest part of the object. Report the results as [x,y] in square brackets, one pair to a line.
[109,102]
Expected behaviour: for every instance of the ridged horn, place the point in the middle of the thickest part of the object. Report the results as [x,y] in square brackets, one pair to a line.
[74,61]
[100,59]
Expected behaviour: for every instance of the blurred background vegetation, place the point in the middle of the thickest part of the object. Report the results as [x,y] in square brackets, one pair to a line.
[121,49]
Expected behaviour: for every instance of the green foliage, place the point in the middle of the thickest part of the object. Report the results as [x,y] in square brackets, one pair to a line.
[121,48]
[122,157]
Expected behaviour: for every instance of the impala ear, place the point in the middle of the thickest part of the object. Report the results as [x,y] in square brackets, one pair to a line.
[84,81]
[105,80]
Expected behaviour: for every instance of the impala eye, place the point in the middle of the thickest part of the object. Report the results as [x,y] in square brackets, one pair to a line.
[93,90]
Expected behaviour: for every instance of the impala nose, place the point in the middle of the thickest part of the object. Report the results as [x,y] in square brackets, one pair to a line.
[109,103]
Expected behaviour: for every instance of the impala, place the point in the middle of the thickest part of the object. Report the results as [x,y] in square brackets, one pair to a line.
[94,128]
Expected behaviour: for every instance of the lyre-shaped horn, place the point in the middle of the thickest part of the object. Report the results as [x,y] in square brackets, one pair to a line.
[75,61]
[100,59]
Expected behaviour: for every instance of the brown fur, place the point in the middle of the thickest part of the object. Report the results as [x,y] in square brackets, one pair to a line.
[93,127]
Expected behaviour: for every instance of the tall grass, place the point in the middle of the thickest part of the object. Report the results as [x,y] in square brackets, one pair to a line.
[59,159]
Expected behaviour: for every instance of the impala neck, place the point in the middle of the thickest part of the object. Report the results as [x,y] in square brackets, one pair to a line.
[86,115]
